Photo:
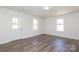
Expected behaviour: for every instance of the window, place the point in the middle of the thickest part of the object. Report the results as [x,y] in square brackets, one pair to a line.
[35,24]
[60,25]
[15,23]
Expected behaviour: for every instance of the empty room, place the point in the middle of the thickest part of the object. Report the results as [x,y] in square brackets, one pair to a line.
[39,28]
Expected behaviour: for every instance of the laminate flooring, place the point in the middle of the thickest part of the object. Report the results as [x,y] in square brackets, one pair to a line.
[41,43]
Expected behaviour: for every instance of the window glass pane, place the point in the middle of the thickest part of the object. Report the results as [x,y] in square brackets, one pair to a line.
[35,21]
[35,24]
[15,26]
[60,24]
[35,27]
[60,27]
[15,20]
[60,21]
[15,23]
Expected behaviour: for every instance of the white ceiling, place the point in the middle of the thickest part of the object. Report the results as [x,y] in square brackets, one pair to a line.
[41,12]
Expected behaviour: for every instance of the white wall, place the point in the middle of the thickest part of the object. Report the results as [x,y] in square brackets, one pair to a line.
[8,34]
[71,24]
[27,26]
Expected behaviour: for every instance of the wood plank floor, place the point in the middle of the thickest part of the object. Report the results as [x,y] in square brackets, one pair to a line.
[41,43]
